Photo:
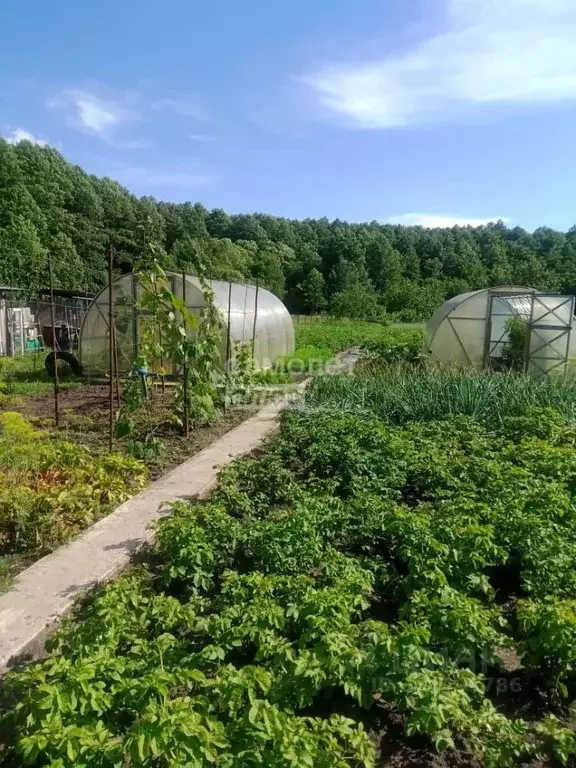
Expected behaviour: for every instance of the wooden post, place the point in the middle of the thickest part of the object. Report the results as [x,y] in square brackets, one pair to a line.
[185,361]
[134,287]
[111,356]
[55,342]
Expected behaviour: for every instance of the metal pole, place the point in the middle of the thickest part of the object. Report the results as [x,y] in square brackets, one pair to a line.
[227,366]
[487,332]
[110,350]
[21,325]
[116,367]
[55,342]
[185,360]
[7,323]
[255,318]
[12,333]
[527,340]
[228,340]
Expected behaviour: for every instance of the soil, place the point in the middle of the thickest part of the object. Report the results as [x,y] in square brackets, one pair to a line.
[84,419]
[87,400]
[394,749]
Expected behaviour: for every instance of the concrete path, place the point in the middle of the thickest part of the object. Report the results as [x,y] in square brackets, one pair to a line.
[47,590]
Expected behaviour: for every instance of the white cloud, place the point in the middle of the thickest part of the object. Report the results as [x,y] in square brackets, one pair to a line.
[185,107]
[493,52]
[19,134]
[439,220]
[90,113]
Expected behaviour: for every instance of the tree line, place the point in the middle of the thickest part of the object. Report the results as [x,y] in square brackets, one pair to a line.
[316,265]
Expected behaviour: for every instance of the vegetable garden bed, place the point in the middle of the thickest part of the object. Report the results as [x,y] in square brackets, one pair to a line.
[359,594]
[34,519]
[55,483]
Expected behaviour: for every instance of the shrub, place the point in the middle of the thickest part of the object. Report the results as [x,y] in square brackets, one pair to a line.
[515,351]
[400,345]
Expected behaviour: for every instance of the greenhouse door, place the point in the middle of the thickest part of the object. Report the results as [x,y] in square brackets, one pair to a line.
[502,307]
[549,327]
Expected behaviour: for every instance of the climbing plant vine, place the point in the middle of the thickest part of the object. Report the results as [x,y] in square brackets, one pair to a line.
[171,340]
[198,392]
[241,374]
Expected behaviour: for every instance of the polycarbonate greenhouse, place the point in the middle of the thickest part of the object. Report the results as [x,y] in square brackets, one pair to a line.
[471,328]
[253,313]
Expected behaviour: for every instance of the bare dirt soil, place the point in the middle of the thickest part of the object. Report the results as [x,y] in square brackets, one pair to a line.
[85,414]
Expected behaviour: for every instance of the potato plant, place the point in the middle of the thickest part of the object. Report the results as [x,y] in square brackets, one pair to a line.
[354,566]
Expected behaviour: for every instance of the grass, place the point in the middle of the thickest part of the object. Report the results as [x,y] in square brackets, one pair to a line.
[400,394]
[309,359]
[26,376]
[10,567]
[318,340]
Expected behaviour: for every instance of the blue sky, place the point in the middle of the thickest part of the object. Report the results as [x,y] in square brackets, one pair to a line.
[415,111]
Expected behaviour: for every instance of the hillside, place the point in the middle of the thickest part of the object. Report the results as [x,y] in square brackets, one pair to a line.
[354,269]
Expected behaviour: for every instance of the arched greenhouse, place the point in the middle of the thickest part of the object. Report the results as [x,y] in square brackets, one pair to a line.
[252,313]
[472,328]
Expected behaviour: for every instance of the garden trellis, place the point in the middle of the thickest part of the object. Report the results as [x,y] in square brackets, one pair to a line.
[249,313]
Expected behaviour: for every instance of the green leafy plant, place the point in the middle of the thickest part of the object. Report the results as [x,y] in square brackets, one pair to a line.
[548,630]
[50,490]
[514,355]
[171,338]
[199,390]
[399,345]
[241,376]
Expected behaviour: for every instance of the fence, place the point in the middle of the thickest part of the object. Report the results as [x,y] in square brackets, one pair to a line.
[26,321]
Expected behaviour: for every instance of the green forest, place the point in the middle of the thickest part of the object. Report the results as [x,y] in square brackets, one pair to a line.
[363,271]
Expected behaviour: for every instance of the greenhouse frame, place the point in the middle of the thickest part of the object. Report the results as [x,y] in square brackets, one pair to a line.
[249,313]
[471,328]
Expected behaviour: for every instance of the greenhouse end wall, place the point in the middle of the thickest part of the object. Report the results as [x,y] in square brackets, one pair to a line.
[242,303]
[458,330]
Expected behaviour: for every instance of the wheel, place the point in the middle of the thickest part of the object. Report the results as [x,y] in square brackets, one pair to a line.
[64,357]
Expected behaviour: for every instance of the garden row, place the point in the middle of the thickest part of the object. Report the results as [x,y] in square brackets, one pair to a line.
[54,483]
[373,573]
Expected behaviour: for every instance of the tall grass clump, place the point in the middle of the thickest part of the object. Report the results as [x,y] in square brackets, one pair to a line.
[399,394]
